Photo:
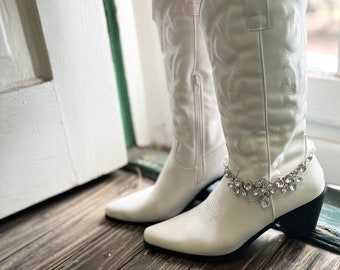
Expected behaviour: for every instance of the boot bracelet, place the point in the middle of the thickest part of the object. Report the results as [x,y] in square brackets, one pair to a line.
[262,190]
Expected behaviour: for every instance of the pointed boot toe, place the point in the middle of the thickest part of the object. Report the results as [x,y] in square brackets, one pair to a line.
[133,208]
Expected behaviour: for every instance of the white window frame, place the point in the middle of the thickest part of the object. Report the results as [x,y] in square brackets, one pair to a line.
[323,122]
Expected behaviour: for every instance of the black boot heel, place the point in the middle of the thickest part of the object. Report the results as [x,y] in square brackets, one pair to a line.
[301,221]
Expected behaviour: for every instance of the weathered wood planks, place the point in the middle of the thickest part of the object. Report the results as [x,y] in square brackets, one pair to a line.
[71,232]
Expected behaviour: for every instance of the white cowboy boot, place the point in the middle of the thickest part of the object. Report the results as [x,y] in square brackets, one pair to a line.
[199,145]
[257,50]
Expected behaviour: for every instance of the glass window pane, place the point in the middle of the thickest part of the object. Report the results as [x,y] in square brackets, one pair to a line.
[323,26]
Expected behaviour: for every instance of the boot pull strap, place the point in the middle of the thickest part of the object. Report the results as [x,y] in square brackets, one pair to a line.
[257,14]
[192,7]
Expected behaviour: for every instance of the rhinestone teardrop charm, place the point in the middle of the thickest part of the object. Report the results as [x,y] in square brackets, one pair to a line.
[265,202]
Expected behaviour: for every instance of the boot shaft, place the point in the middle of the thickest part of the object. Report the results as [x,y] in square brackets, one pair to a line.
[257,50]
[196,121]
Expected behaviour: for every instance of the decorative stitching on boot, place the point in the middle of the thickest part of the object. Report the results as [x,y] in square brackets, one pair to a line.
[192,7]
[257,14]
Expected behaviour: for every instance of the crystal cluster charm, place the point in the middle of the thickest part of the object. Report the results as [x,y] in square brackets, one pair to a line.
[264,189]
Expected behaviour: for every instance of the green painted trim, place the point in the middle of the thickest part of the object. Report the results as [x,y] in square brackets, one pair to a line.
[113,28]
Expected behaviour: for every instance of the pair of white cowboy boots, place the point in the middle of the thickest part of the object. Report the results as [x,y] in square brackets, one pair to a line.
[252,54]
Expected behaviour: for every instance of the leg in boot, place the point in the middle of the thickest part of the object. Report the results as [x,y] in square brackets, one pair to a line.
[257,51]
[199,145]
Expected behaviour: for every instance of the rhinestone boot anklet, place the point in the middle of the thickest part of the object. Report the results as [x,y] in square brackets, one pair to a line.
[262,190]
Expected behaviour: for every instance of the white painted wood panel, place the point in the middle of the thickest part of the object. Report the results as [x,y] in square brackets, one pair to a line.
[15,63]
[34,161]
[23,56]
[59,134]
[83,72]
[4,47]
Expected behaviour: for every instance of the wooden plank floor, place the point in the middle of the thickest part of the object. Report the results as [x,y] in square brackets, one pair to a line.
[71,232]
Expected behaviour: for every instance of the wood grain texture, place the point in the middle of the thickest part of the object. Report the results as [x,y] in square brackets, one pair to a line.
[71,232]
